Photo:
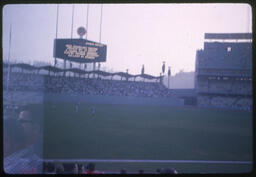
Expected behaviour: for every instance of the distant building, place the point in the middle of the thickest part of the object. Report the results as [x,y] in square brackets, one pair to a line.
[181,80]
[223,76]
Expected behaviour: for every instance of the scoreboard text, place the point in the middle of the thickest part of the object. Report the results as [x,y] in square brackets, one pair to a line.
[80,50]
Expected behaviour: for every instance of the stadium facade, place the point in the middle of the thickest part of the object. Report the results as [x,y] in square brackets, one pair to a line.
[223,74]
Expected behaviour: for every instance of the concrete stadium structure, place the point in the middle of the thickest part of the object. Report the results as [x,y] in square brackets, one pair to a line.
[223,76]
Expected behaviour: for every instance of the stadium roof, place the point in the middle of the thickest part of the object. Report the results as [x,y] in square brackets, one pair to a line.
[50,68]
[103,73]
[228,35]
[80,71]
[23,66]
[147,76]
[123,74]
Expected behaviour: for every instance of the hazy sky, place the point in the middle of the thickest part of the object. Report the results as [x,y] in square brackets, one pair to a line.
[135,34]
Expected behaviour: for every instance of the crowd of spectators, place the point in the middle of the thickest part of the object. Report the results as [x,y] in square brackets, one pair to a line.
[234,94]
[234,87]
[84,86]
[76,168]
[23,81]
[240,103]
[89,86]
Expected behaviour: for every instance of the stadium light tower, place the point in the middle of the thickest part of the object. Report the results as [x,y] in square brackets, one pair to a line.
[57,19]
[142,69]
[81,31]
[127,74]
[9,54]
[163,67]
[169,76]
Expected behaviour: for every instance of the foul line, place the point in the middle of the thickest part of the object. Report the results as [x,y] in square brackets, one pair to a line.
[147,161]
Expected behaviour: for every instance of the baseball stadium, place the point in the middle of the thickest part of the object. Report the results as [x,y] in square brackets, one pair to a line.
[117,121]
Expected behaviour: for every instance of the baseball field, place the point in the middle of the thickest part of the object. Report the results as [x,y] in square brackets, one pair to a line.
[144,132]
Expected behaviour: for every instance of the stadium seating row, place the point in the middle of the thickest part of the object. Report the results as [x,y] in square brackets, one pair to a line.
[72,85]
[240,103]
[225,87]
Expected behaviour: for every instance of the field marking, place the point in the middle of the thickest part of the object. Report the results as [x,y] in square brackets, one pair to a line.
[148,161]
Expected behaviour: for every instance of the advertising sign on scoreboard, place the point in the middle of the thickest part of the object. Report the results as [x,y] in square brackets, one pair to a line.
[80,50]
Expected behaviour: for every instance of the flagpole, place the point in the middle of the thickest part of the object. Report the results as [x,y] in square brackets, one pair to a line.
[9,53]
[57,19]
[87,29]
[87,22]
[169,76]
[94,64]
[101,21]
[73,7]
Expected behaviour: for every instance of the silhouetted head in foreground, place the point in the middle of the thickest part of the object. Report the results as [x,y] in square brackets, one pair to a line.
[30,118]
[70,168]
[91,167]
[14,137]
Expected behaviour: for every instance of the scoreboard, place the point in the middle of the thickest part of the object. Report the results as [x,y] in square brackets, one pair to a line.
[79,50]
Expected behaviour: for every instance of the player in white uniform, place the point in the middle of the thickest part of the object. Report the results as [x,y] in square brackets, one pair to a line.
[77,107]
[92,111]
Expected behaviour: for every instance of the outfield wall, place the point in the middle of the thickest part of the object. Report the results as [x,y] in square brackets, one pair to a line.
[99,99]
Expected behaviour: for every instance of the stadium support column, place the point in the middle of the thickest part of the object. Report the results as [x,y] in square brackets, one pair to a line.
[168,82]
[94,64]
[160,79]
[64,67]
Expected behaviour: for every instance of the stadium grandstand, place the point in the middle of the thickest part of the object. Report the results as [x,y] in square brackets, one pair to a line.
[29,78]
[224,71]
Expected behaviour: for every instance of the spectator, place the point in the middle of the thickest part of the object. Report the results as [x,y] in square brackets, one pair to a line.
[169,171]
[123,171]
[141,171]
[158,170]
[81,168]
[14,136]
[17,158]
[45,167]
[50,168]
[30,119]
[70,168]
[59,169]
[91,169]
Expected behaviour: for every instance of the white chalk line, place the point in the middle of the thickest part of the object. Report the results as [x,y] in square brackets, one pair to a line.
[148,161]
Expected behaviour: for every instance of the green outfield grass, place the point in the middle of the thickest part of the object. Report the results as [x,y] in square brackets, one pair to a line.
[146,132]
